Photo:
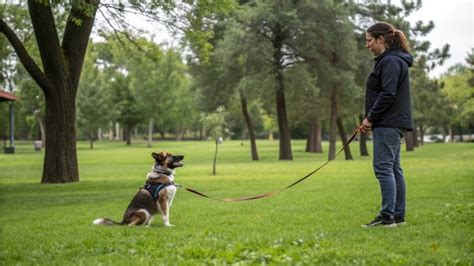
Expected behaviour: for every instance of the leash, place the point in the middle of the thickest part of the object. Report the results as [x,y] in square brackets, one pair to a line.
[277,191]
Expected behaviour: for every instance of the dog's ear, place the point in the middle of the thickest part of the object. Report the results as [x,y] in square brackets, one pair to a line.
[156,156]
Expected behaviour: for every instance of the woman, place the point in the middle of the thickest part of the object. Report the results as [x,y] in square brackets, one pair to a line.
[388,114]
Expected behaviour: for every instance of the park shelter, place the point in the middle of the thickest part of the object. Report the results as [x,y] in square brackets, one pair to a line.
[9,97]
[6,96]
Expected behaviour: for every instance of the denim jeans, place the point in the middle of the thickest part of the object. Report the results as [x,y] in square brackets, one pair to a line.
[386,162]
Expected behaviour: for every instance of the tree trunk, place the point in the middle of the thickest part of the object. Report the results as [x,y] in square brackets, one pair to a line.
[342,134]
[91,141]
[415,135]
[315,136]
[363,141]
[308,140]
[283,128]
[60,159]
[250,129]
[333,124]
[180,134]
[128,135]
[409,141]
[319,136]
[150,132]
[90,137]
[422,135]
[460,133]
[451,134]
[445,133]
[311,136]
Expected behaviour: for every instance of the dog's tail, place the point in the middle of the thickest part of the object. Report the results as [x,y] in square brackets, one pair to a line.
[105,221]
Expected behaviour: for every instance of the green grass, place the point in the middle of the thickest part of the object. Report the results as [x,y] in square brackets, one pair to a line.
[316,222]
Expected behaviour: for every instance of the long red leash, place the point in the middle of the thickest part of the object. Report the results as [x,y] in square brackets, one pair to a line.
[276,191]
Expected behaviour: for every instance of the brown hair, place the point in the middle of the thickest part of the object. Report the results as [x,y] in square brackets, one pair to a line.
[394,38]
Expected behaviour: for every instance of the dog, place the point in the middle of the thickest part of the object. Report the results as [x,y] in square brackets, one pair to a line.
[155,196]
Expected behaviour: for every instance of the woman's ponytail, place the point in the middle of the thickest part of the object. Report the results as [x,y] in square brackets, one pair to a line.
[398,40]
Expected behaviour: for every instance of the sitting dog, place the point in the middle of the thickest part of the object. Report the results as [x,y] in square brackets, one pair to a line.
[156,196]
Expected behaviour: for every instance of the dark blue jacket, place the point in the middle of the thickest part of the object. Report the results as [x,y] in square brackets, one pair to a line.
[387,95]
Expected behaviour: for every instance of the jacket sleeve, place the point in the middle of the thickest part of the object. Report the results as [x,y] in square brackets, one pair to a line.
[390,73]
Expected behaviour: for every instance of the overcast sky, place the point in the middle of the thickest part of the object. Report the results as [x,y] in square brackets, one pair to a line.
[453,25]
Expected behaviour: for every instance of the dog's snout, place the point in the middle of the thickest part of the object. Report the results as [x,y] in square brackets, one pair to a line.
[176,161]
[178,158]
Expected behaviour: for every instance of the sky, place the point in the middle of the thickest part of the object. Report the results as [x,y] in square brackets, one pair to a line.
[454,25]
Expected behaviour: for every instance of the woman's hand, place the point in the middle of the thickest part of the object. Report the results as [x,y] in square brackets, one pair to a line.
[365,126]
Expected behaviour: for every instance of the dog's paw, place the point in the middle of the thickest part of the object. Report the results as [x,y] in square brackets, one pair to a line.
[169,225]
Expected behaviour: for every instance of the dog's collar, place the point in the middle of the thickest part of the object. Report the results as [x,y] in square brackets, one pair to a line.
[164,172]
[159,169]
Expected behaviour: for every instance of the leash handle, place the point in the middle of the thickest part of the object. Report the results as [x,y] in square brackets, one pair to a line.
[277,191]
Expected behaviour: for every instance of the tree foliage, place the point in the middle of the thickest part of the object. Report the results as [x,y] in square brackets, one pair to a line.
[92,102]
[459,90]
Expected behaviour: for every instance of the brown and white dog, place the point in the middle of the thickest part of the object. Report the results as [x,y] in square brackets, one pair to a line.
[156,196]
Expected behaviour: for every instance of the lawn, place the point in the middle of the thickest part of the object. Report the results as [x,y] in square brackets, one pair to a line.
[316,222]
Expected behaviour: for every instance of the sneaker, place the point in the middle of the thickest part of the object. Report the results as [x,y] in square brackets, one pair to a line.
[400,220]
[381,221]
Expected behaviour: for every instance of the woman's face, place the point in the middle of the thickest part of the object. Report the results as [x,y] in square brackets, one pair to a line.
[376,45]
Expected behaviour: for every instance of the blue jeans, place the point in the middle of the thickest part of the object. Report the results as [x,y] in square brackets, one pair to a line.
[388,171]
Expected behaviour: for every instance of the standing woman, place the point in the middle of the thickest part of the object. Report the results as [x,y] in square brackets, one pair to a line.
[388,114]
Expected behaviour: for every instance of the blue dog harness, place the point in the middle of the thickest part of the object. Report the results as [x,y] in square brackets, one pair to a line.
[154,189]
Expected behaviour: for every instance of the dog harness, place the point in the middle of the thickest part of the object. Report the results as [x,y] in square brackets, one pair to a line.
[154,189]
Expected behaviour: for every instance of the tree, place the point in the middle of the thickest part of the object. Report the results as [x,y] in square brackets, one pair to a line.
[428,105]
[307,104]
[58,79]
[274,25]
[127,110]
[458,87]
[178,99]
[430,108]
[364,65]
[147,79]
[226,75]
[333,57]
[93,108]
[238,75]
[216,124]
